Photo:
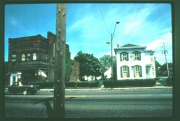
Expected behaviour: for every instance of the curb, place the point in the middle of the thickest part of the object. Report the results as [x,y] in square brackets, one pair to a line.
[128,88]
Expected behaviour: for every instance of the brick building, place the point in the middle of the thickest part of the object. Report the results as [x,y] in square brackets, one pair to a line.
[28,56]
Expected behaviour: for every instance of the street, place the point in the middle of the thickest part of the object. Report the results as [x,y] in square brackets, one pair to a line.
[95,103]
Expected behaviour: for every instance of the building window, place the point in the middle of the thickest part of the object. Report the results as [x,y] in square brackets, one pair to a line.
[13,57]
[152,70]
[124,71]
[28,57]
[23,57]
[152,59]
[124,56]
[137,71]
[147,70]
[34,56]
[137,56]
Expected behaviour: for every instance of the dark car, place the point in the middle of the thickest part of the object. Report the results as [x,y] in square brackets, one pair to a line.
[25,89]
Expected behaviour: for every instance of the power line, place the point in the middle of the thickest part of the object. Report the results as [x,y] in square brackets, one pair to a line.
[163,18]
[103,18]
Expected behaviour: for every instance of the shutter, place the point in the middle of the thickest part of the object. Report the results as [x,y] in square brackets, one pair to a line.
[140,71]
[134,70]
[128,70]
[139,56]
[121,72]
[127,56]
[121,57]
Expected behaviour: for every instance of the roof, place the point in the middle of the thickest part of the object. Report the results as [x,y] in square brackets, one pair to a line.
[130,46]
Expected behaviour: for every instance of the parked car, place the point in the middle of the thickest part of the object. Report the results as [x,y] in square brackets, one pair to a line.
[17,87]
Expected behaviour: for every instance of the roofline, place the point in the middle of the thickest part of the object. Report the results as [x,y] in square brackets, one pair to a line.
[132,47]
[39,35]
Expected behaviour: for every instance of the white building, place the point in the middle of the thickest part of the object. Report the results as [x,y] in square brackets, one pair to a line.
[134,62]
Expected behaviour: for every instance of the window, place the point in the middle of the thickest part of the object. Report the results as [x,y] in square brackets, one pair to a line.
[28,57]
[153,70]
[13,57]
[152,59]
[34,56]
[124,71]
[124,56]
[23,57]
[137,71]
[137,56]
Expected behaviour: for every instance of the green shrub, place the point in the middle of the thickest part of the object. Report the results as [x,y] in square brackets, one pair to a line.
[44,84]
[70,84]
[88,84]
[169,81]
[82,84]
[130,83]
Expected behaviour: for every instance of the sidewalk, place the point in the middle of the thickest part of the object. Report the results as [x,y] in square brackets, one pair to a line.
[125,88]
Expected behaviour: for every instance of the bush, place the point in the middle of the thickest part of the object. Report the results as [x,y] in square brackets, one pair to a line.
[130,83]
[44,84]
[70,84]
[82,84]
[169,81]
[88,84]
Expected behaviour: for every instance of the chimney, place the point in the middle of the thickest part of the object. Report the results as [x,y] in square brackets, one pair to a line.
[117,45]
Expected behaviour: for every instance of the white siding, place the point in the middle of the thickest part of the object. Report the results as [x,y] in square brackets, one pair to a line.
[145,61]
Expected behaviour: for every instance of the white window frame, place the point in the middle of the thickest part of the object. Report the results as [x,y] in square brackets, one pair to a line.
[23,57]
[137,56]
[124,56]
[125,71]
[138,71]
[34,56]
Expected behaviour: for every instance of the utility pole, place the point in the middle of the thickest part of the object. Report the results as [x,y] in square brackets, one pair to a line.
[59,69]
[164,52]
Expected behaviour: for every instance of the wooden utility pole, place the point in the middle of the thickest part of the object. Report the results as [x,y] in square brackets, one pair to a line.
[164,52]
[59,69]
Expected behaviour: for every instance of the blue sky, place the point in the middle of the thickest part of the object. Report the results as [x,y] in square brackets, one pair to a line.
[89,26]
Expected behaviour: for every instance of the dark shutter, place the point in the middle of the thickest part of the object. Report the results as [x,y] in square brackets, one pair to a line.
[139,56]
[140,71]
[120,56]
[128,70]
[121,72]
[127,56]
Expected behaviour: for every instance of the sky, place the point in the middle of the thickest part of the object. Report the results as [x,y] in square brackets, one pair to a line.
[89,26]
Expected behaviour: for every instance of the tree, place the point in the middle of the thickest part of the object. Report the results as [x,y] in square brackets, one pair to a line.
[89,65]
[157,65]
[68,64]
[105,61]
[163,69]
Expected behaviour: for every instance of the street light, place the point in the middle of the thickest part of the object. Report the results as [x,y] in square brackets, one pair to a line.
[112,35]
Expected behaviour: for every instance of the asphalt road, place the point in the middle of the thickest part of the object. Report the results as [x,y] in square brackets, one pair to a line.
[95,104]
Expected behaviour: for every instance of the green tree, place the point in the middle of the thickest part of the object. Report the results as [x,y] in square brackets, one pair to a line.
[68,64]
[89,65]
[157,65]
[163,69]
[105,61]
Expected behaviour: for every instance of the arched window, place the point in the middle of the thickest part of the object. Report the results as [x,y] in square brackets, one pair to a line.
[137,71]
[124,56]
[137,55]
[124,71]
